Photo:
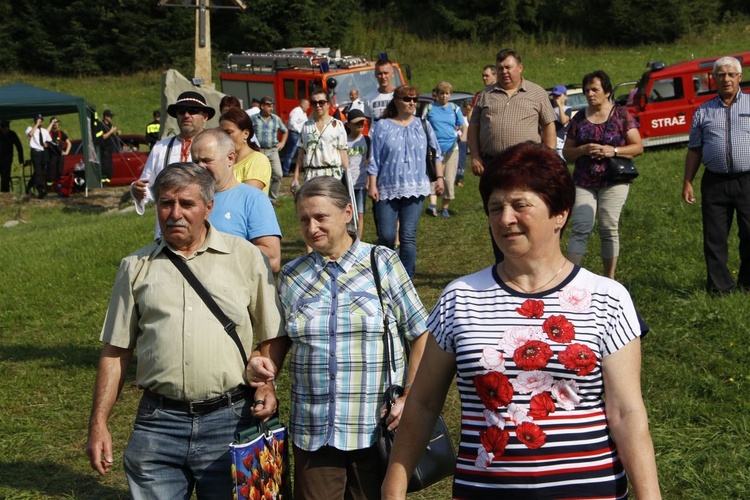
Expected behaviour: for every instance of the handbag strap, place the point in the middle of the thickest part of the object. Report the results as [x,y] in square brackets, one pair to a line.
[387,337]
[227,323]
[606,124]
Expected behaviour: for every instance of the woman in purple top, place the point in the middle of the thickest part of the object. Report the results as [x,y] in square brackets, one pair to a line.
[601,131]
[398,181]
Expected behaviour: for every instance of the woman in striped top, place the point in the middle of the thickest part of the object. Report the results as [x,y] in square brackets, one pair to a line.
[536,342]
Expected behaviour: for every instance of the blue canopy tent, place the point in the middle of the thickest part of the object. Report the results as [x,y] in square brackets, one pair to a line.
[24,101]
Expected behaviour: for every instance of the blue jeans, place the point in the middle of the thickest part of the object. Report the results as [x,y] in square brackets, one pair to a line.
[170,453]
[406,211]
[289,153]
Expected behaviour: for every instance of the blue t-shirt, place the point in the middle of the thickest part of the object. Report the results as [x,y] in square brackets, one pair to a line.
[444,120]
[244,211]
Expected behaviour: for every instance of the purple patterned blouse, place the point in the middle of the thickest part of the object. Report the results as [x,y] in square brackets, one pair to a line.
[590,173]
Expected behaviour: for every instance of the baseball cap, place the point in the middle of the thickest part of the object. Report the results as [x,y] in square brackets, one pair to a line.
[559,90]
[355,116]
[157,113]
[108,112]
[38,116]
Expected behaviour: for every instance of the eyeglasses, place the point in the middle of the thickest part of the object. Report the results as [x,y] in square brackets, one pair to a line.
[267,103]
[191,110]
[322,102]
[727,75]
[408,98]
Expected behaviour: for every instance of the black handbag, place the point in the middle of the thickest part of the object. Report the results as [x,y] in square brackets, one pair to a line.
[619,169]
[431,159]
[438,460]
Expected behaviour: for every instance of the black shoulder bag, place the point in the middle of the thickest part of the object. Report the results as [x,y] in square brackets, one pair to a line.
[439,458]
[431,159]
[618,169]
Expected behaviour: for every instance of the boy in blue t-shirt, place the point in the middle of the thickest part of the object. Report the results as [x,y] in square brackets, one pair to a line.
[359,156]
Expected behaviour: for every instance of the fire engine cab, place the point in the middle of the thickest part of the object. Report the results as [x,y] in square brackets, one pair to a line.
[665,98]
[289,75]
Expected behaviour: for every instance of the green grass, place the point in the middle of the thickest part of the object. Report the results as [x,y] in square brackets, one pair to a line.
[57,270]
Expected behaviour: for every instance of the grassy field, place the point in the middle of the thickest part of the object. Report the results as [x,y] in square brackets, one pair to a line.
[57,269]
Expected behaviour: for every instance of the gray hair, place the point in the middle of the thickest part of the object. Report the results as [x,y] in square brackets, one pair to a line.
[332,189]
[181,175]
[224,143]
[727,61]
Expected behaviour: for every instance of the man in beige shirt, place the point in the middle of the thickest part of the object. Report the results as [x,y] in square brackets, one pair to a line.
[192,372]
[512,111]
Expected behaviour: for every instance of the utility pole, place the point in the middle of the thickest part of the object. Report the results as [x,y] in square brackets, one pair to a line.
[202,75]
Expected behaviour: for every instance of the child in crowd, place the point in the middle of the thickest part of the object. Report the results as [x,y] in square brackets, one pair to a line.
[359,156]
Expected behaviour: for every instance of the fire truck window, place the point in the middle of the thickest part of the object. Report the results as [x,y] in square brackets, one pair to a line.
[288,89]
[666,90]
[301,91]
[704,84]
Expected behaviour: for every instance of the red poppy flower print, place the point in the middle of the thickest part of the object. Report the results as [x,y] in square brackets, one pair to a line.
[579,358]
[533,355]
[493,389]
[541,405]
[531,435]
[531,309]
[494,440]
[559,329]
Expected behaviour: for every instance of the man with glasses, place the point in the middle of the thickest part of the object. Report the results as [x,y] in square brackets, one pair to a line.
[323,143]
[192,113]
[719,140]
[267,126]
[376,101]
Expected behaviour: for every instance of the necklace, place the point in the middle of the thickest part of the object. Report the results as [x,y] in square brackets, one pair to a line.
[537,288]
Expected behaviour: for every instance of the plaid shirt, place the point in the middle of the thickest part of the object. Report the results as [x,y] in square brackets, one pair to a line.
[268,131]
[334,319]
[721,133]
[504,121]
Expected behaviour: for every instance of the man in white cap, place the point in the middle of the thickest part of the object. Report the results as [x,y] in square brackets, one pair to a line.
[192,113]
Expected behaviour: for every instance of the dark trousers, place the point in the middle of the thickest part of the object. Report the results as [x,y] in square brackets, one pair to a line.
[332,474]
[722,197]
[54,168]
[5,165]
[289,153]
[499,257]
[39,161]
[106,159]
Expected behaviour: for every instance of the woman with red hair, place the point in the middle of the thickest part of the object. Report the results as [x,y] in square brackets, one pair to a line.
[536,342]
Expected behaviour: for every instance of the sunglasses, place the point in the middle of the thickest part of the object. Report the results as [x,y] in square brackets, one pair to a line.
[322,102]
[409,98]
[190,110]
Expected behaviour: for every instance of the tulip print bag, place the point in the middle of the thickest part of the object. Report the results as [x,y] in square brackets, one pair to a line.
[260,462]
[439,458]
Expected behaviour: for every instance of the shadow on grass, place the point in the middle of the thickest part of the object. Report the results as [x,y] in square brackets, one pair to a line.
[57,356]
[52,480]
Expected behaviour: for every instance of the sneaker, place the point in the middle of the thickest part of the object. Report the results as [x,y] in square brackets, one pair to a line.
[432,210]
[444,213]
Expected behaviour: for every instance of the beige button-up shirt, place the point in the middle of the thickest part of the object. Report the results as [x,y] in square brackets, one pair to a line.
[504,121]
[183,351]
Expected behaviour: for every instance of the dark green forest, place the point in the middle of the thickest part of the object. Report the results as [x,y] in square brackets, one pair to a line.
[95,37]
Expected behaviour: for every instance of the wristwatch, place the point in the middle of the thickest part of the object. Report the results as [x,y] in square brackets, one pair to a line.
[615,151]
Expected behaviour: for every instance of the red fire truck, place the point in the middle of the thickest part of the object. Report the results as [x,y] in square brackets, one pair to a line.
[288,75]
[665,98]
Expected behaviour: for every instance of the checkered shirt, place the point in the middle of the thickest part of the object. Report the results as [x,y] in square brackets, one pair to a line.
[268,132]
[334,319]
[722,133]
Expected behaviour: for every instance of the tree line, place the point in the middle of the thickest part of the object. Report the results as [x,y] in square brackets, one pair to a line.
[91,37]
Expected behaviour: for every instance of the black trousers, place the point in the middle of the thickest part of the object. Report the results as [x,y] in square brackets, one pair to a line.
[55,165]
[721,197]
[39,161]
[5,167]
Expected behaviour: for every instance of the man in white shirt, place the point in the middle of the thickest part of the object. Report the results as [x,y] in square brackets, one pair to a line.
[38,139]
[356,102]
[376,101]
[297,118]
